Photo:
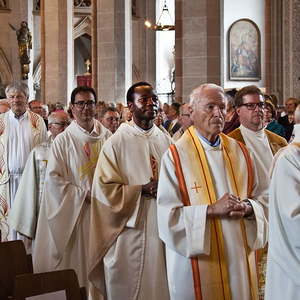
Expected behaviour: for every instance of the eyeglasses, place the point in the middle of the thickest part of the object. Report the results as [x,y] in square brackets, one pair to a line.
[252,106]
[62,124]
[112,119]
[146,99]
[82,104]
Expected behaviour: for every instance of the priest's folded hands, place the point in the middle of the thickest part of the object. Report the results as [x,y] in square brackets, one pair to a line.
[150,189]
[230,206]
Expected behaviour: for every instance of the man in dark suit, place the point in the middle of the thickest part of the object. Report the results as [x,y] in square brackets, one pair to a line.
[172,125]
[288,120]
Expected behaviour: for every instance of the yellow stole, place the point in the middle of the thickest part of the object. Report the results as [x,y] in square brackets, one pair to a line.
[197,187]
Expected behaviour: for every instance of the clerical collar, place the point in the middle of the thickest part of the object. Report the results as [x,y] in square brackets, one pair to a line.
[259,133]
[141,129]
[216,143]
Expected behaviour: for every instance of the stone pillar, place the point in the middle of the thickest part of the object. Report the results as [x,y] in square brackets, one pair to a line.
[57,50]
[144,43]
[197,45]
[110,50]
[291,46]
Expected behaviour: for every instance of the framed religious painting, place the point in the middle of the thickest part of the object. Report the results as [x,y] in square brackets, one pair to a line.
[4,6]
[244,51]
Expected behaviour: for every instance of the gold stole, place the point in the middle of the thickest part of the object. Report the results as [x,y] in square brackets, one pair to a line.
[213,268]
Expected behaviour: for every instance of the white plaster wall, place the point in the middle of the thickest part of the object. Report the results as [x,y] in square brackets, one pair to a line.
[233,11]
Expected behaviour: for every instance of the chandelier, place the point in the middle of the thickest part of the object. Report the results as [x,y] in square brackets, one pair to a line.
[159,26]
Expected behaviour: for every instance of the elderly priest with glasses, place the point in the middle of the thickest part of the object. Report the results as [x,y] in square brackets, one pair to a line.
[208,213]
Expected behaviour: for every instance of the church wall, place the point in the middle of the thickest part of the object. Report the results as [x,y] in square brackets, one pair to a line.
[233,11]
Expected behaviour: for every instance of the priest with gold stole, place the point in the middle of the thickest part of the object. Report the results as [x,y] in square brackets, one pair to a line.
[127,258]
[208,215]
[63,225]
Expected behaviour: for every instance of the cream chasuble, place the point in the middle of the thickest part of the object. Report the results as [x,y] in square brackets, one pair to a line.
[24,213]
[126,255]
[283,268]
[63,225]
[208,259]
[18,136]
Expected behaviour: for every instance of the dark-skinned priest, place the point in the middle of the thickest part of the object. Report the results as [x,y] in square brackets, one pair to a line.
[127,258]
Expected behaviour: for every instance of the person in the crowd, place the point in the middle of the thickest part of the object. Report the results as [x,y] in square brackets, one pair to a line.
[110,118]
[127,259]
[283,281]
[62,234]
[232,119]
[208,214]
[165,111]
[126,115]
[20,131]
[119,107]
[172,124]
[270,122]
[4,106]
[24,213]
[37,107]
[250,105]
[287,121]
[184,120]
[158,121]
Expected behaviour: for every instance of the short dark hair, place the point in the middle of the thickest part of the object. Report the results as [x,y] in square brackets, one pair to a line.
[130,92]
[107,109]
[176,107]
[247,90]
[83,89]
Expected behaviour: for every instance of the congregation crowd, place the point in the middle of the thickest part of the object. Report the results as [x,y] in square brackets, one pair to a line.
[181,201]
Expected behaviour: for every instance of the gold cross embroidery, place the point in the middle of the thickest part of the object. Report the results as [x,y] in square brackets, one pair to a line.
[196,187]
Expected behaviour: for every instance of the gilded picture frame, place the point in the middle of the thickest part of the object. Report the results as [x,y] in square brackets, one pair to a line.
[244,51]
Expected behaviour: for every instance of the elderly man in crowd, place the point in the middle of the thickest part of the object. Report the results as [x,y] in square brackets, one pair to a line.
[24,214]
[208,215]
[184,120]
[62,235]
[20,131]
[110,118]
[127,257]
[283,281]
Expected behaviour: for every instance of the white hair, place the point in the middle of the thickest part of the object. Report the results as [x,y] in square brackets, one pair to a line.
[18,86]
[198,93]
[53,116]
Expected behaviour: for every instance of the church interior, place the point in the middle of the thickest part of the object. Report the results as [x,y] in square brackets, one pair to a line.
[83,70]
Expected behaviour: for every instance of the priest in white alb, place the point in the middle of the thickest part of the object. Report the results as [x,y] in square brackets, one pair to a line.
[20,131]
[127,258]
[283,268]
[208,215]
[249,103]
[62,235]
[24,213]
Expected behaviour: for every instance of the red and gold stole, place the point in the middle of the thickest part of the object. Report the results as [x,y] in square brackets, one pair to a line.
[197,187]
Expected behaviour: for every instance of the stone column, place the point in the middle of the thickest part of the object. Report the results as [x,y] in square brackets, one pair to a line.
[109,19]
[57,50]
[144,43]
[197,45]
[291,46]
